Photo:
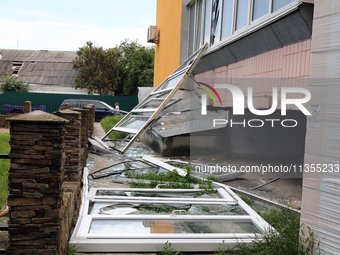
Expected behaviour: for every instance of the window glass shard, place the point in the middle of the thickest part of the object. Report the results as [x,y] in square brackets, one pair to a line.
[160,193]
[152,227]
[136,208]
[135,122]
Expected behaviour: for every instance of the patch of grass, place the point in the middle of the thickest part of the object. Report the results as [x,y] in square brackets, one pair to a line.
[247,199]
[4,167]
[177,181]
[168,250]
[71,250]
[285,241]
[109,122]
[291,205]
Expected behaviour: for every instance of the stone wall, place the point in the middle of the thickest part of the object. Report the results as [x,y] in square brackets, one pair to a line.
[3,122]
[73,170]
[84,132]
[35,179]
[48,154]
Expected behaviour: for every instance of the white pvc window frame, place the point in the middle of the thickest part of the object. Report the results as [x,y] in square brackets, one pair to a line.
[154,243]
[251,26]
[150,114]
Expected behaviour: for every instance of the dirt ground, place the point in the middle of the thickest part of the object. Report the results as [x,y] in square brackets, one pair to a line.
[4,130]
[286,190]
[283,191]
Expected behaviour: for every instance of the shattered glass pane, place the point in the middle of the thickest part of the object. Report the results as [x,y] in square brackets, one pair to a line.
[150,227]
[135,123]
[164,209]
[124,169]
[215,22]
[154,101]
[156,193]
[173,82]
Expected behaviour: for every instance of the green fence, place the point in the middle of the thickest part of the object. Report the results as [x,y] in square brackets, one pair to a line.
[53,101]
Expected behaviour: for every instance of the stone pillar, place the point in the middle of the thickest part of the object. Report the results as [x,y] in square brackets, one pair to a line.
[92,114]
[84,133]
[35,179]
[27,106]
[73,168]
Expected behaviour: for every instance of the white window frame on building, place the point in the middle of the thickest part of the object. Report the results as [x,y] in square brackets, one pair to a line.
[201,20]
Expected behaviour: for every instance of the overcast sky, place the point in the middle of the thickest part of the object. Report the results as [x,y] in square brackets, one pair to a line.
[68,24]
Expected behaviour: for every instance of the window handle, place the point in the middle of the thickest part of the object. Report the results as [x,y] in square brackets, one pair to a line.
[173,214]
[157,187]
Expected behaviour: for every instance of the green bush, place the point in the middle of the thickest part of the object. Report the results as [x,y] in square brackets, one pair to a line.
[4,167]
[285,241]
[10,83]
[109,122]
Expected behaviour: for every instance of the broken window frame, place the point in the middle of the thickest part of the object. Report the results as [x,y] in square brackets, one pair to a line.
[155,242]
[183,72]
[120,171]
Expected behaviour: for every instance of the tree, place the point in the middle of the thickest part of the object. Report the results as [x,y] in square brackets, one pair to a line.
[98,69]
[10,83]
[117,71]
[136,63]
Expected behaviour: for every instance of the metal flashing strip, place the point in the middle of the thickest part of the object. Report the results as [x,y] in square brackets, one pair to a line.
[169,86]
[164,165]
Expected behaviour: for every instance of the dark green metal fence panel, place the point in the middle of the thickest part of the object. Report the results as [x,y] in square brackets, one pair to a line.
[53,101]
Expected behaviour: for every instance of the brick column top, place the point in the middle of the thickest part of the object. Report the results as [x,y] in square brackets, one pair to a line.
[38,116]
[79,109]
[68,111]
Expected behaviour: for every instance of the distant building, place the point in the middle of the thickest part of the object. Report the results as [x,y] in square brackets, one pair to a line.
[45,71]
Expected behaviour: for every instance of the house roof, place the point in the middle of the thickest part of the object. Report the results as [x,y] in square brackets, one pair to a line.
[40,66]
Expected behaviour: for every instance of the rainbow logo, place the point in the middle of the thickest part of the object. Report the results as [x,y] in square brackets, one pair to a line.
[209,93]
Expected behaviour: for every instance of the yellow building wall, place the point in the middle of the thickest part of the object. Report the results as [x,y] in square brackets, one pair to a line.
[167,51]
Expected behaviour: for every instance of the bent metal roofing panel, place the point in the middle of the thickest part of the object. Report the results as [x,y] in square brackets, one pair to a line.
[40,66]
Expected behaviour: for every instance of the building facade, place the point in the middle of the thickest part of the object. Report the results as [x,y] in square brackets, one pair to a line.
[282,44]
[251,43]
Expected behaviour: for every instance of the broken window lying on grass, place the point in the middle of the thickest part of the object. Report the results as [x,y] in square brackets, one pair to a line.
[146,112]
[126,167]
[143,220]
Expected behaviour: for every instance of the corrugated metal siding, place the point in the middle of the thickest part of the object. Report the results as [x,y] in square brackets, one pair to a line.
[41,67]
[278,68]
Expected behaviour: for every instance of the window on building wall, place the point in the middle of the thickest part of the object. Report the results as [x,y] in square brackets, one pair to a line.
[278,4]
[227,18]
[192,29]
[199,8]
[207,21]
[195,29]
[261,7]
[242,13]
[215,22]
